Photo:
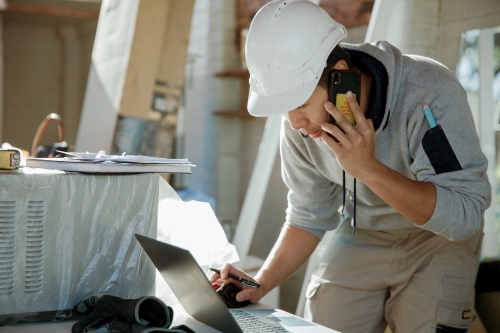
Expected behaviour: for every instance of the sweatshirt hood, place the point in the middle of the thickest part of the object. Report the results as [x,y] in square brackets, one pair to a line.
[392,59]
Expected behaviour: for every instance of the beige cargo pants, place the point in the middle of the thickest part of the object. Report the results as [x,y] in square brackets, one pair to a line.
[416,282]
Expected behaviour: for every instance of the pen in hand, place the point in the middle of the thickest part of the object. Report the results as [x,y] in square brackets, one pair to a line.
[239,278]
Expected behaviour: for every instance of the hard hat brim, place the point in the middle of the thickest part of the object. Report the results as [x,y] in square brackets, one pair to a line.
[261,106]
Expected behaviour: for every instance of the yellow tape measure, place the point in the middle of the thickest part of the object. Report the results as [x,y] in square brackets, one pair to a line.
[10,158]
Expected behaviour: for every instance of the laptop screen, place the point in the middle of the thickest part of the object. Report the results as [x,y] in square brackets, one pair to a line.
[189,284]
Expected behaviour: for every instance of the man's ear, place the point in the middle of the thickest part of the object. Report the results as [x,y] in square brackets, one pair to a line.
[341,64]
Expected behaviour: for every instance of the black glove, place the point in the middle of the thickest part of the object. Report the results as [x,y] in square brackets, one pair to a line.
[120,325]
[148,311]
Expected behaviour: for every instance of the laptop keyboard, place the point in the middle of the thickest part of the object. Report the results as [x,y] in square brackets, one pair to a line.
[251,324]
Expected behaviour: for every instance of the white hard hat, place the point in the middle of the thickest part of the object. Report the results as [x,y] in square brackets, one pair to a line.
[286,49]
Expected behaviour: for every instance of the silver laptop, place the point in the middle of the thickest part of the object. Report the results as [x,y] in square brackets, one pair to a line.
[195,293]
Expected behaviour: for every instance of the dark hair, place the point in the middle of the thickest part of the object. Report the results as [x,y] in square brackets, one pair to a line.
[338,53]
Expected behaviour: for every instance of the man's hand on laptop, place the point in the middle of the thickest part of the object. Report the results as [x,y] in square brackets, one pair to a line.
[250,293]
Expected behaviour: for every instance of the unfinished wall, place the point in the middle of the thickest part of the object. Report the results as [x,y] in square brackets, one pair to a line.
[457,16]
[223,147]
[205,136]
[355,35]
[433,28]
[46,62]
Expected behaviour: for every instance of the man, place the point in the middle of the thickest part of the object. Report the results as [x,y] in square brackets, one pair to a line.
[404,251]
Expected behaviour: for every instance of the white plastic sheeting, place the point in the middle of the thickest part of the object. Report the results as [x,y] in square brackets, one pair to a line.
[191,225]
[64,236]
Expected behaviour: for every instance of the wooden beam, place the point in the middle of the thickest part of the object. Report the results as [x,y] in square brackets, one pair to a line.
[350,13]
[144,58]
[238,73]
[175,44]
[234,114]
[159,53]
[52,11]
[110,55]
[1,77]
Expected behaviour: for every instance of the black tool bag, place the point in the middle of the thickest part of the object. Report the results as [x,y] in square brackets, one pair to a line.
[147,314]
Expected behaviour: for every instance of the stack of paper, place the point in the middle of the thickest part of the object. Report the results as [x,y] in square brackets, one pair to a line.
[101,163]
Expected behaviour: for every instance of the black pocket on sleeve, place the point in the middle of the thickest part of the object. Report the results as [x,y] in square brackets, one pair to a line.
[448,329]
[438,149]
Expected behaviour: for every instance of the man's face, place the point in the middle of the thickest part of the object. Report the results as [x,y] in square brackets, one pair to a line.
[308,117]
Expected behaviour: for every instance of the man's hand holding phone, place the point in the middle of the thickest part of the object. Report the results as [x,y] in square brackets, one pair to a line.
[354,147]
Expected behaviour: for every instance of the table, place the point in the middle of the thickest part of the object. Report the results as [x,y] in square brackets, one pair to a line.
[180,317]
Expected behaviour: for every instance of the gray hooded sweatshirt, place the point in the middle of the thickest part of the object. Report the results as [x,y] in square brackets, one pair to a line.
[449,156]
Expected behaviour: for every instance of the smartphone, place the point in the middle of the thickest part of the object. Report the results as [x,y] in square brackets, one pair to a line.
[340,82]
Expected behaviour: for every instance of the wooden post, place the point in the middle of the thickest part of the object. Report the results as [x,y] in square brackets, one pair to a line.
[174,55]
[142,67]
[2,7]
[1,72]
[71,78]
[129,56]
